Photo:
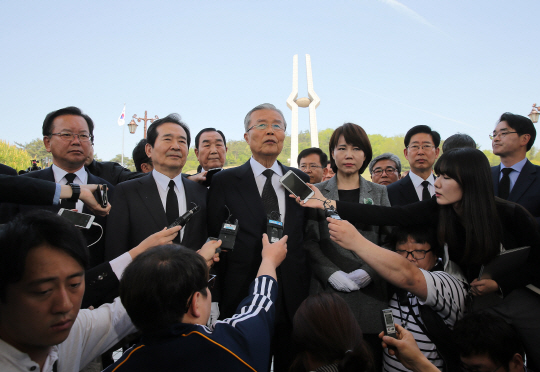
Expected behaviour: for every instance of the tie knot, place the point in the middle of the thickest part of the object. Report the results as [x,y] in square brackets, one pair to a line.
[506,171]
[425,184]
[268,173]
[172,184]
[70,177]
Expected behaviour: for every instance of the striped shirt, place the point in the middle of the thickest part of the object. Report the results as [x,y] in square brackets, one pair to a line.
[446,295]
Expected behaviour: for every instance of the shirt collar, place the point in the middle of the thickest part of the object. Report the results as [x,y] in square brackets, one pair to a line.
[59,173]
[163,181]
[516,167]
[19,358]
[417,180]
[258,168]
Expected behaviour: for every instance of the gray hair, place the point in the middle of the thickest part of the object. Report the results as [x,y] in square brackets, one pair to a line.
[263,106]
[385,156]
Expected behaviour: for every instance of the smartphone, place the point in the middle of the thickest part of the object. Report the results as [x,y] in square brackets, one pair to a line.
[101,195]
[388,323]
[296,186]
[78,219]
[209,176]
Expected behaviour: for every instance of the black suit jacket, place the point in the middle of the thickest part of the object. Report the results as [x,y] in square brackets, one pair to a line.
[236,189]
[526,191]
[97,251]
[101,286]
[138,213]
[113,172]
[402,192]
[25,190]
[4,169]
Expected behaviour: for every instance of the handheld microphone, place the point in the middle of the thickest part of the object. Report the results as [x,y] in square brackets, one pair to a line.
[184,219]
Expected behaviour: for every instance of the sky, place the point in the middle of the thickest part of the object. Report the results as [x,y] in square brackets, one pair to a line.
[386,65]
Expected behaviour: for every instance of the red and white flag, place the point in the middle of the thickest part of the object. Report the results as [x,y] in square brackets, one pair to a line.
[121,119]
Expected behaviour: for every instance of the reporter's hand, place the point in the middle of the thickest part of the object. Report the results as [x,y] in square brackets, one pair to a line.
[162,237]
[483,287]
[90,201]
[199,177]
[344,233]
[274,252]
[311,202]
[340,282]
[208,251]
[407,351]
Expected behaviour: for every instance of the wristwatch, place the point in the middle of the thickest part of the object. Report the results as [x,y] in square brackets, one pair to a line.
[75,192]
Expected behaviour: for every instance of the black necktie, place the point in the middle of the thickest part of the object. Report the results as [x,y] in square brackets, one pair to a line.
[269,196]
[171,209]
[70,177]
[504,183]
[425,193]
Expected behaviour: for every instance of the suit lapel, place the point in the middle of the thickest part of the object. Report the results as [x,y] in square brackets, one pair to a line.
[408,192]
[365,190]
[190,192]
[290,207]
[524,180]
[331,190]
[149,194]
[249,191]
[495,171]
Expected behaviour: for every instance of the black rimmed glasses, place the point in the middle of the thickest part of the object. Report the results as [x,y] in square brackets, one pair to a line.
[417,255]
[416,148]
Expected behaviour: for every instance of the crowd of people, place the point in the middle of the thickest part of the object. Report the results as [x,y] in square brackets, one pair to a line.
[451,247]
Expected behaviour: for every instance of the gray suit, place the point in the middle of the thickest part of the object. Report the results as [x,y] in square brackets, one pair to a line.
[328,257]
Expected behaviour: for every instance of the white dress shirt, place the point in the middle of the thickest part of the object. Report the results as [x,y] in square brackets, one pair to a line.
[80,179]
[417,183]
[162,182]
[260,179]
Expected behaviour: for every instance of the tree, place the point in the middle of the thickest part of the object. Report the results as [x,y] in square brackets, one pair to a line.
[36,149]
[128,162]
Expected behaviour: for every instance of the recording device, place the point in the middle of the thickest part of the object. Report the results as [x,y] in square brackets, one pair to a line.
[332,213]
[78,219]
[184,219]
[274,227]
[209,176]
[33,166]
[218,250]
[101,195]
[388,323]
[296,186]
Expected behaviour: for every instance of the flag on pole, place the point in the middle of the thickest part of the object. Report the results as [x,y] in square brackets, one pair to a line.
[121,119]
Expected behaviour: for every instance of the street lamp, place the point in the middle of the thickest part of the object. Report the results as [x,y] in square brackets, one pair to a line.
[534,114]
[145,119]
[132,126]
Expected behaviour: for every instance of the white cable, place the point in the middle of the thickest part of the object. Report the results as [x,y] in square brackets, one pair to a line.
[97,224]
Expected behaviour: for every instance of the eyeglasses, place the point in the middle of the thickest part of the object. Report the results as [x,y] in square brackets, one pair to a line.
[309,166]
[211,283]
[502,134]
[415,148]
[388,170]
[417,255]
[264,126]
[67,136]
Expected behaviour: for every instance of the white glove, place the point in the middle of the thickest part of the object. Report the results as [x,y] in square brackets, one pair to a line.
[360,277]
[340,282]
[214,314]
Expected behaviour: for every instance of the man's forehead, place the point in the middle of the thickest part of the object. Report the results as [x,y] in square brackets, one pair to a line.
[67,122]
[311,158]
[384,163]
[262,116]
[211,136]
[503,125]
[171,129]
[422,138]
[45,263]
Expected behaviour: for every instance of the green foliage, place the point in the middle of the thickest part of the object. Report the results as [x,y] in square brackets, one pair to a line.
[128,162]
[36,149]
[14,157]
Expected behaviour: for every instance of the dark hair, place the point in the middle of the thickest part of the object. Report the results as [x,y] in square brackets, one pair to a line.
[354,135]
[31,230]
[139,155]
[313,150]
[325,330]
[420,233]
[385,156]
[422,129]
[198,136]
[71,110]
[471,170]
[458,140]
[484,333]
[521,125]
[156,286]
[152,133]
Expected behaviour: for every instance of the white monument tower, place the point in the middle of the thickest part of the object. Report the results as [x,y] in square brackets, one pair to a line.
[312,102]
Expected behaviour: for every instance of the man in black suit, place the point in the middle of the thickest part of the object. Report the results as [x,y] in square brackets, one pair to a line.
[516,178]
[110,170]
[68,136]
[148,204]
[421,150]
[251,192]
[4,169]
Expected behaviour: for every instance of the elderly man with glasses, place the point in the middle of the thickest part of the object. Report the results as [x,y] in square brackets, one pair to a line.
[385,169]
[252,194]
